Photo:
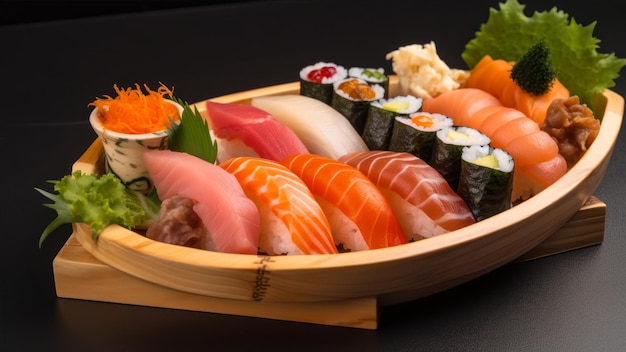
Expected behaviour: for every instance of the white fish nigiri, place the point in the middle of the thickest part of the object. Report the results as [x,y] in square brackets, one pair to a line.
[322,129]
[230,217]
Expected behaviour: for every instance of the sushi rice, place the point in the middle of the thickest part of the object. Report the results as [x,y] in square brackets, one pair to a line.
[373,75]
[339,75]
[414,104]
[378,89]
[474,152]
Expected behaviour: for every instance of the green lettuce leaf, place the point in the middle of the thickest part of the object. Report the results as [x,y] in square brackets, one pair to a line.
[98,201]
[509,33]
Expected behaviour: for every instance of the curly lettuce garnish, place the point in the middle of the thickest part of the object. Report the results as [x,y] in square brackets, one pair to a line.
[99,202]
[509,33]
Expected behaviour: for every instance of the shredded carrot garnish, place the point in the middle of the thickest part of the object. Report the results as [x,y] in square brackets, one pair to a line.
[134,112]
[422,121]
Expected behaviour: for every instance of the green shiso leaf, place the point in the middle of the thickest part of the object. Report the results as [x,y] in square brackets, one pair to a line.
[192,135]
[509,33]
[534,72]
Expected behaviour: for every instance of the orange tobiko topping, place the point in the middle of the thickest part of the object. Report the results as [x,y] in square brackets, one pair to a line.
[134,112]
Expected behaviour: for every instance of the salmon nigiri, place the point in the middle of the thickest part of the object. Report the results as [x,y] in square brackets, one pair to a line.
[230,217]
[494,77]
[292,222]
[421,198]
[244,130]
[359,214]
[510,130]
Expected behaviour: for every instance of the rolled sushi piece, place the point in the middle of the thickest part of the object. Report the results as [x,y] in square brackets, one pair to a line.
[381,117]
[372,76]
[316,81]
[417,133]
[446,156]
[352,98]
[486,180]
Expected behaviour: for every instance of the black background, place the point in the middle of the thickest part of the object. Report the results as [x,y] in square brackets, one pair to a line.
[56,57]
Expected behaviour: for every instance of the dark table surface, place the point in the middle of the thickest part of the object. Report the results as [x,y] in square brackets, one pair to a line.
[49,71]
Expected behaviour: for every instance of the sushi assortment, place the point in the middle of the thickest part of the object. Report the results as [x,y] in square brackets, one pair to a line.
[343,166]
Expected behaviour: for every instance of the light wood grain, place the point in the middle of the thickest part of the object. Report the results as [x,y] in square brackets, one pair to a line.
[392,274]
[584,229]
[79,275]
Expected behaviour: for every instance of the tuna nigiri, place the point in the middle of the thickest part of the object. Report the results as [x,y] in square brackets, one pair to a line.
[229,216]
[421,198]
[292,222]
[322,129]
[493,76]
[510,130]
[244,130]
[360,216]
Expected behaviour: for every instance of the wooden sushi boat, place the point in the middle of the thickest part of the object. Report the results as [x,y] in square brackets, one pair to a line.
[345,289]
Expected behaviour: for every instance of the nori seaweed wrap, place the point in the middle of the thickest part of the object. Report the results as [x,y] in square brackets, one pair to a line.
[417,133]
[381,117]
[371,76]
[352,98]
[316,81]
[446,156]
[486,180]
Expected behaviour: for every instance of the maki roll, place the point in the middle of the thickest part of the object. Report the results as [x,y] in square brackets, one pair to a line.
[417,133]
[316,81]
[486,180]
[352,98]
[372,76]
[381,117]
[446,156]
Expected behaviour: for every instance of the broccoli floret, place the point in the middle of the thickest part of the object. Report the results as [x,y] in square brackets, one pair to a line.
[534,72]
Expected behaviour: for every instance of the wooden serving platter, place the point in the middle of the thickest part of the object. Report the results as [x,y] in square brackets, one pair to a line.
[79,275]
[345,289]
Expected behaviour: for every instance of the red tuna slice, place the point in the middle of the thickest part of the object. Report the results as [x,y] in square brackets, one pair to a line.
[259,131]
[230,217]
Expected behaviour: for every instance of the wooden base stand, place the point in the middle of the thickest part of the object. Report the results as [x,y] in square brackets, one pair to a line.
[79,275]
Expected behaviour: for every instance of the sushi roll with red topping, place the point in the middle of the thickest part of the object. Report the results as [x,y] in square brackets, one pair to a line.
[316,81]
